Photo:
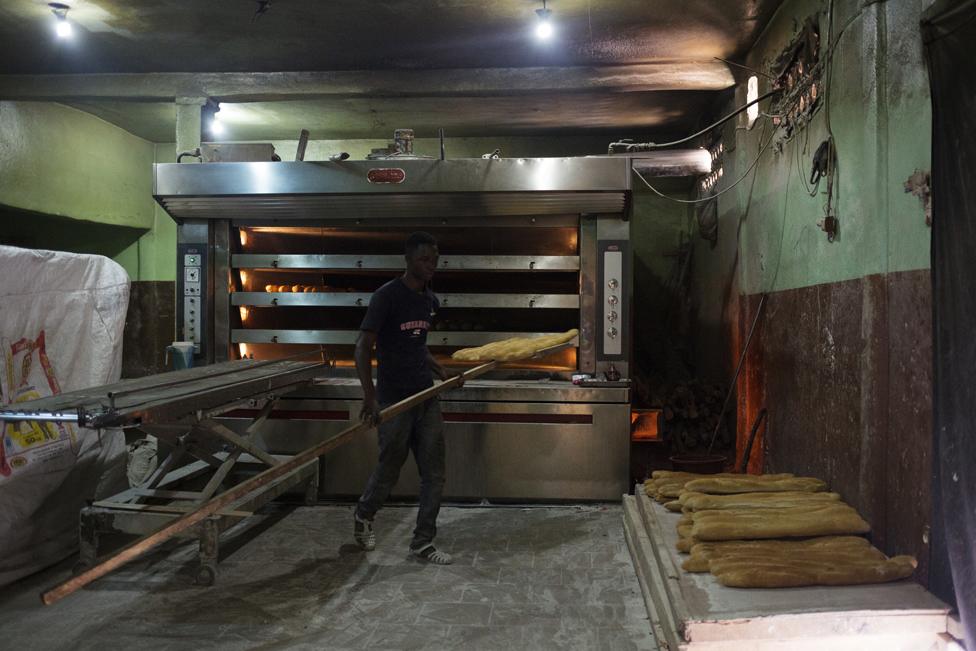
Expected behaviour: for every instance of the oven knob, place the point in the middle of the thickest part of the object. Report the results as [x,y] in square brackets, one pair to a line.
[613,284]
[612,332]
[612,316]
[612,299]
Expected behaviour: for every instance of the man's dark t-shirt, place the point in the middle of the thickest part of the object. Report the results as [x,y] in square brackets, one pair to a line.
[401,318]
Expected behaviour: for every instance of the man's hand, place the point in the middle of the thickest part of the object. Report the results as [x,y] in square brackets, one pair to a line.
[460,377]
[370,413]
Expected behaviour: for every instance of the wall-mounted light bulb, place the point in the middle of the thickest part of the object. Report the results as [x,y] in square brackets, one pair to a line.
[752,94]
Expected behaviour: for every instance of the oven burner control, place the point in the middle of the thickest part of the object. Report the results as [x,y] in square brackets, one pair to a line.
[613,270]
[193,275]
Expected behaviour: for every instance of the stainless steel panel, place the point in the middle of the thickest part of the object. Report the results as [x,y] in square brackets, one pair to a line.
[431,188]
[612,308]
[193,232]
[346,337]
[499,221]
[465,175]
[406,206]
[558,462]
[220,347]
[395,262]
[535,391]
[588,259]
[355,299]
[485,460]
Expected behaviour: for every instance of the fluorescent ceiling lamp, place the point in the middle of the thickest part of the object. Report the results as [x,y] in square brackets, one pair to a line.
[752,94]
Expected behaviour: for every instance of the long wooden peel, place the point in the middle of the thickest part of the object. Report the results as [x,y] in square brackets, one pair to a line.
[239,491]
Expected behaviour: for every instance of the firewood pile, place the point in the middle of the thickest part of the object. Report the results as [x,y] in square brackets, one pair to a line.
[690,411]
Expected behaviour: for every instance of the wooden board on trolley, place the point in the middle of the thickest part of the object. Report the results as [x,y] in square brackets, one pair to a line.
[703,614]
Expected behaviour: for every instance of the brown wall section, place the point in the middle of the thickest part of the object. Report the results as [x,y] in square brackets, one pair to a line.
[150,325]
[845,371]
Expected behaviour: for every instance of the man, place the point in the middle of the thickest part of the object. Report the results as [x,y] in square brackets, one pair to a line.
[397,322]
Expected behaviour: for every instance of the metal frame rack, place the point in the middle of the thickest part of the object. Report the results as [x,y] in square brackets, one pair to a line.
[179,409]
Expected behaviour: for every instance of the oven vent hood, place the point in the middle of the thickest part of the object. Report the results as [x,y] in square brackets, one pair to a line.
[470,187]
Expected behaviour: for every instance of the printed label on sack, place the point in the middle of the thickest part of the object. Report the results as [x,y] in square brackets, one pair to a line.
[30,446]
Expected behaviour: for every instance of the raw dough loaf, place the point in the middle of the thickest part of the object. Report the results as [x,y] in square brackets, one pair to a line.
[665,485]
[822,547]
[829,518]
[750,484]
[753,573]
[703,502]
[513,349]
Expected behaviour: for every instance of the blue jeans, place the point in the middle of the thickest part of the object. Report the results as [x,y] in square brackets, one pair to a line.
[420,430]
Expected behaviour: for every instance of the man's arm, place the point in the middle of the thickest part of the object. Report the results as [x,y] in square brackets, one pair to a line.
[370,413]
[440,371]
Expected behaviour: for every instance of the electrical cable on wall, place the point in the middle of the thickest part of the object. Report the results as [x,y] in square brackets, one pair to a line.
[624,146]
[762,150]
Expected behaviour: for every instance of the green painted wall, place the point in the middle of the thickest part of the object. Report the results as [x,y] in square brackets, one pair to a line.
[880,116]
[58,160]
[72,182]
[153,255]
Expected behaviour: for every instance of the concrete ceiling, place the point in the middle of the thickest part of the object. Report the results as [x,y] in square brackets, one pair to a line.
[620,67]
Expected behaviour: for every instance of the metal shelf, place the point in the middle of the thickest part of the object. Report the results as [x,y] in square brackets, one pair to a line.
[348,337]
[395,262]
[361,299]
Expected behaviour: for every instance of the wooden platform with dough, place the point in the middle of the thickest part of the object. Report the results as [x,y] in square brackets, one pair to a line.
[694,612]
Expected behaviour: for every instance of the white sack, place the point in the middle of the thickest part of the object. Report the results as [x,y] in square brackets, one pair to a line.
[61,322]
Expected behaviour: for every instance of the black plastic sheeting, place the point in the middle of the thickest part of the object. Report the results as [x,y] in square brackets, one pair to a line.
[949,29]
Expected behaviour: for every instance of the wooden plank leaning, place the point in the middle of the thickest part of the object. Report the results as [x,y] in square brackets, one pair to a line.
[241,490]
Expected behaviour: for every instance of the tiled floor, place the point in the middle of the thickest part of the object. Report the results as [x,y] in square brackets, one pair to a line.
[523,578]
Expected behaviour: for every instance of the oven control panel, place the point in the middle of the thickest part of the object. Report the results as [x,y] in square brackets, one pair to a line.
[614,278]
[192,260]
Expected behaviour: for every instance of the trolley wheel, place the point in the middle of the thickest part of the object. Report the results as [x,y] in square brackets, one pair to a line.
[206,575]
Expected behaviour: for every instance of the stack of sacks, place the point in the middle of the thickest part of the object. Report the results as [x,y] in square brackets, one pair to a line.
[767,531]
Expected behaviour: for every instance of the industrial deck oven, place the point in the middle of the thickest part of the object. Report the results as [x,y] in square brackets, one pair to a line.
[279,257]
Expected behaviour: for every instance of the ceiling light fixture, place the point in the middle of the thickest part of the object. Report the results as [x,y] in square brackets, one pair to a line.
[62,27]
[543,29]
[209,122]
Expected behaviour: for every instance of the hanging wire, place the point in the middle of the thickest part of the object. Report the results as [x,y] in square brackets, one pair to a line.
[644,146]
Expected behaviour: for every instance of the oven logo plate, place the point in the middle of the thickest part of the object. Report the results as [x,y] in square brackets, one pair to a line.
[386,175]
